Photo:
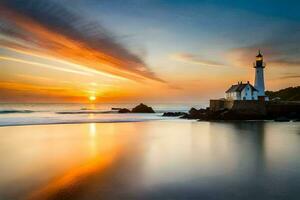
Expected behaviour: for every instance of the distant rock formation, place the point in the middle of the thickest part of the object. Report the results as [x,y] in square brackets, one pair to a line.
[123,110]
[142,108]
[116,108]
[195,114]
[173,114]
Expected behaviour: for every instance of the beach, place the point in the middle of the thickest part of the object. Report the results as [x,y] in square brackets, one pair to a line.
[151,159]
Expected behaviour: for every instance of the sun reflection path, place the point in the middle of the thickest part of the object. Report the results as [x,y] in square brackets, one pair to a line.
[93,129]
[75,176]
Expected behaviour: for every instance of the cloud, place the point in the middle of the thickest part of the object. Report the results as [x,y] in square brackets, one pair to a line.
[44,65]
[285,63]
[279,46]
[49,28]
[193,59]
[245,56]
[289,77]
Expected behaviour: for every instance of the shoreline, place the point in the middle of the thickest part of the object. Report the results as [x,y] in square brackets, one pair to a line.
[85,122]
[144,120]
[97,121]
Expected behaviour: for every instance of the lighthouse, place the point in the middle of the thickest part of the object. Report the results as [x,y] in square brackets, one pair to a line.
[259,76]
[245,91]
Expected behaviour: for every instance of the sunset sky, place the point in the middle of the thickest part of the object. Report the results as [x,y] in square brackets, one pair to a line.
[143,50]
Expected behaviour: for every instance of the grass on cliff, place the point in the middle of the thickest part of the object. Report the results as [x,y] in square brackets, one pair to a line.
[287,94]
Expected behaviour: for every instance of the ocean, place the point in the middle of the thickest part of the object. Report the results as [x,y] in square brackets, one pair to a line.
[49,113]
[151,159]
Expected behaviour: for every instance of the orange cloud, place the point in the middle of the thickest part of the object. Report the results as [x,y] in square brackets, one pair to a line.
[193,59]
[100,53]
[245,56]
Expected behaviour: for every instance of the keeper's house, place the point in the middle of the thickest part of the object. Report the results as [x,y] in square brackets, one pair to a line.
[241,91]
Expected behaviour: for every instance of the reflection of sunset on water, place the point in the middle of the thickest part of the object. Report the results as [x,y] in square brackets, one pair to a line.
[144,159]
[74,176]
[71,157]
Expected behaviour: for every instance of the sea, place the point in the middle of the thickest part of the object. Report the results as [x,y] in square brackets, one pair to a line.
[82,152]
[60,113]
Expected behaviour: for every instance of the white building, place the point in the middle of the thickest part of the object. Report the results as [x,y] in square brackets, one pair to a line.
[245,91]
[242,91]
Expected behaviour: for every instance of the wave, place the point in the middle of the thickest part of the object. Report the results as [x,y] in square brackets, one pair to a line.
[85,112]
[18,121]
[15,111]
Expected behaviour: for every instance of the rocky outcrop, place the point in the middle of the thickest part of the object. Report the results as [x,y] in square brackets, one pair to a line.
[142,108]
[195,114]
[174,114]
[123,110]
[231,114]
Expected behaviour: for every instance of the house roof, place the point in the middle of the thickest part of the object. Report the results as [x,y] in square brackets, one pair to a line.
[239,87]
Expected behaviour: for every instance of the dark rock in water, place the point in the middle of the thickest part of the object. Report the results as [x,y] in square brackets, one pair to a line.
[224,114]
[142,108]
[196,114]
[193,111]
[15,111]
[249,110]
[282,119]
[124,110]
[293,115]
[116,108]
[173,114]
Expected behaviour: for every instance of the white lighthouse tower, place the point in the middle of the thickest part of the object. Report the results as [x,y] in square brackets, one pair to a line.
[259,76]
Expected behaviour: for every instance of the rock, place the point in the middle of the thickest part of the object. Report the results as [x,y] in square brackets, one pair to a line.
[282,119]
[193,111]
[185,116]
[196,114]
[116,108]
[225,114]
[124,110]
[173,114]
[142,108]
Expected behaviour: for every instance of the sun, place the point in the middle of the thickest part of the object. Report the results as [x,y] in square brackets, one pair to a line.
[92,98]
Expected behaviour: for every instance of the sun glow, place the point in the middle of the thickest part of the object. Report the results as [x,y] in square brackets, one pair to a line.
[92,98]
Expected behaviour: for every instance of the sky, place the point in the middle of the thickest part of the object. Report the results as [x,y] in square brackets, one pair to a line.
[143,50]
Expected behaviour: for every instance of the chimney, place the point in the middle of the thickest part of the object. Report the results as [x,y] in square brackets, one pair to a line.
[247,82]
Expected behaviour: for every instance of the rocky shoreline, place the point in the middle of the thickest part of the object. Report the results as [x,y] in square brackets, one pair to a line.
[220,115]
[229,115]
